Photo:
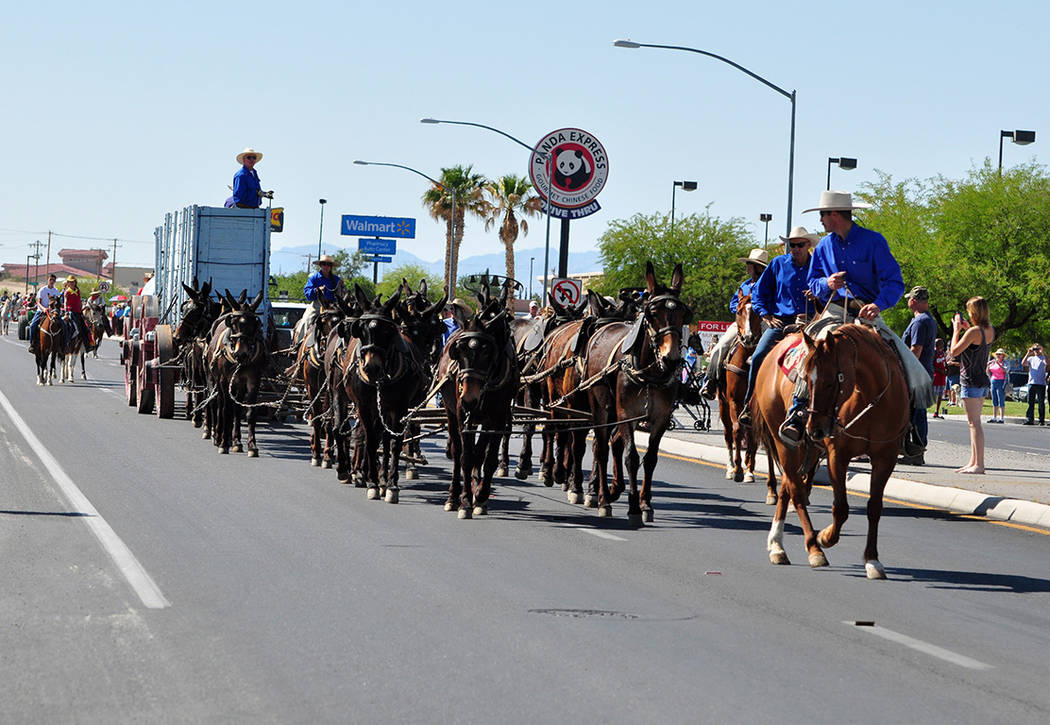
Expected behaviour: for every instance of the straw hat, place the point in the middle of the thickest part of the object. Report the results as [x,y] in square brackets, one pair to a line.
[246,152]
[801,233]
[837,201]
[326,259]
[757,256]
[1000,351]
[72,279]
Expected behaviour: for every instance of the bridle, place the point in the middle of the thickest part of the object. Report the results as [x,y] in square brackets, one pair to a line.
[370,324]
[654,334]
[491,378]
[236,334]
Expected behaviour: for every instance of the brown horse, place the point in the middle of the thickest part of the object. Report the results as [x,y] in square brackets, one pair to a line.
[51,343]
[310,368]
[637,368]
[858,406]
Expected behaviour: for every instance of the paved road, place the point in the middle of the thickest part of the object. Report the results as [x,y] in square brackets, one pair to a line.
[283,597]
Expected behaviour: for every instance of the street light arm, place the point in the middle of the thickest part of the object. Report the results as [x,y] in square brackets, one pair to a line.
[399,166]
[739,67]
[535,150]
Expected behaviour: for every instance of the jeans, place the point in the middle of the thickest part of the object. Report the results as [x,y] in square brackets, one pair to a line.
[921,425]
[998,393]
[1036,393]
[34,325]
[766,343]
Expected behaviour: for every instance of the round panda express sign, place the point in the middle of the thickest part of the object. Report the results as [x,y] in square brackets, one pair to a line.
[568,168]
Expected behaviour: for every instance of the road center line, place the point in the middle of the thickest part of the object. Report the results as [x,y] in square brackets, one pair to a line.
[924,647]
[136,575]
[594,532]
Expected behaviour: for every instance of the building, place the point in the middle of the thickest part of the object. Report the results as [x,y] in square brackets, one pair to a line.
[88,260]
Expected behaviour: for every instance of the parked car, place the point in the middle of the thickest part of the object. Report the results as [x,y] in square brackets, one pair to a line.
[285,317]
[1017,386]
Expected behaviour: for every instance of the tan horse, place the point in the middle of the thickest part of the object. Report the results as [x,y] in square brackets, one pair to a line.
[858,406]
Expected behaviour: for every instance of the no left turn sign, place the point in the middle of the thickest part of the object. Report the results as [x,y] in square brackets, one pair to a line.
[567,292]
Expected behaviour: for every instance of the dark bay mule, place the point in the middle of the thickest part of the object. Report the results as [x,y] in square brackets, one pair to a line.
[310,368]
[190,339]
[51,343]
[97,325]
[859,405]
[638,368]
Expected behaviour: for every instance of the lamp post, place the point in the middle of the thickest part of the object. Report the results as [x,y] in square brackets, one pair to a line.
[791,96]
[767,218]
[843,162]
[1021,138]
[450,284]
[550,193]
[686,186]
[320,233]
[531,260]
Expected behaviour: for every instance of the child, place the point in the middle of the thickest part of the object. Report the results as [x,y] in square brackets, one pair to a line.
[940,376]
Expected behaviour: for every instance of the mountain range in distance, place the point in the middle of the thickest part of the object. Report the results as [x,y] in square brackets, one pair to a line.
[289,259]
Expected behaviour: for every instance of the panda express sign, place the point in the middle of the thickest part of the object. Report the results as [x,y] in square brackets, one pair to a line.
[568,168]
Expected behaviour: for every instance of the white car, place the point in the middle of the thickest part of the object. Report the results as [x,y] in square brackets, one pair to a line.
[286,316]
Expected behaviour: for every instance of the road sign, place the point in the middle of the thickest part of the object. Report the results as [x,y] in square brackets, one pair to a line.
[377,246]
[103,286]
[385,226]
[578,164]
[377,258]
[567,291]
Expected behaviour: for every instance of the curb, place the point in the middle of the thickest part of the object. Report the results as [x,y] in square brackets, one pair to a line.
[947,498]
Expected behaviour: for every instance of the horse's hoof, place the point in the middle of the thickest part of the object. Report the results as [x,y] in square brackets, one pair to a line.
[391,495]
[545,479]
[522,473]
[224,451]
[359,483]
[647,515]
[449,506]
[373,493]
[502,472]
[253,453]
[411,474]
[824,539]
[729,474]
[198,424]
[465,513]
[818,559]
[315,462]
[573,497]
[738,476]
[327,463]
[605,512]
[635,520]
[771,499]
[778,557]
[590,501]
[749,477]
[874,569]
[344,481]
[482,510]
[238,448]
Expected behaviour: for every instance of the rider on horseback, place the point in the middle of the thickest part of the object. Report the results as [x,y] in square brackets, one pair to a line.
[43,301]
[756,263]
[779,298]
[74,308]
[855,272]
[321,285]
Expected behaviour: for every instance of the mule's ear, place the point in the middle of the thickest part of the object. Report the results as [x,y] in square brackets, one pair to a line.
[389,304]
[230,300]
[422,287]
[650,278]
[355,328]
[243,297]
[361,297]
[256,302]
[677,278]
[190,290]
[206,289]
[436,308]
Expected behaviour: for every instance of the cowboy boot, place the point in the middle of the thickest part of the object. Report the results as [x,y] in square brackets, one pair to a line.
[793,429]
[710,388]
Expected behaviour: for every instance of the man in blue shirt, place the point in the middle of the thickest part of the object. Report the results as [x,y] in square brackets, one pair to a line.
[755,264]
[779,298]
[1036,364]
[920,336]
[323,284]
[247,191]
[854,271]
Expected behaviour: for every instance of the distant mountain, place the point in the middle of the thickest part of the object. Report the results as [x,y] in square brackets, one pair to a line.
[288,259]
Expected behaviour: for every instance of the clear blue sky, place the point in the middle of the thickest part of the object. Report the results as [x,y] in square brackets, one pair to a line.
[117,112]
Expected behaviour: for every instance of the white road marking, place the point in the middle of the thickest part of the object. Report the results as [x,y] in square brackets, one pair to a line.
[594,532]
[924,647]
[133,571]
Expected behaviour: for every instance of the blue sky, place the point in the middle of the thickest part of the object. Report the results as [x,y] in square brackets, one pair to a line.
[116,113]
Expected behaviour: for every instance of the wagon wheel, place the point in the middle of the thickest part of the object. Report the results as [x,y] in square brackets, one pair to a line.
[165,388]
[145,391]
[130,386]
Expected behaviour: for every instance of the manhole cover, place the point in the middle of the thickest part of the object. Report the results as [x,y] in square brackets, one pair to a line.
[584,613]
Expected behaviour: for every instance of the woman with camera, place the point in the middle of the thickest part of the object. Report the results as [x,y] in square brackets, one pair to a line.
[1035,363]
[970,342]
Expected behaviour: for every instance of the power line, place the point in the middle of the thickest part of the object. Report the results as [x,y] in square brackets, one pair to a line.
[77,236]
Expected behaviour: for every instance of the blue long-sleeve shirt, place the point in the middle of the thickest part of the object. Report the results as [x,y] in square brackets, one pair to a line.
[872,274]
[781,290]
[246,188]
[745,289]
[318,284]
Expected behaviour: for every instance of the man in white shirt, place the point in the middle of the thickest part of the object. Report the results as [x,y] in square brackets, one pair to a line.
[1036,365]
[43,301]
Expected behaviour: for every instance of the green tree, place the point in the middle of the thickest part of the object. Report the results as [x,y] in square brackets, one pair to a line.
[469,198]
[413,273]
[707,247]
[508,197]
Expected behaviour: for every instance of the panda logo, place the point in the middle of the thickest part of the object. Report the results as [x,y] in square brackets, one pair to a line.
[571,169]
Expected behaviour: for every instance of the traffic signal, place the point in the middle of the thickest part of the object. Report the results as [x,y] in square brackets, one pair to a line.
[277,219]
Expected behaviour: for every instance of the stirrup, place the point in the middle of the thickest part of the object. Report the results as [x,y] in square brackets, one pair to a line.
[709,389]
[792,430]
[744,419]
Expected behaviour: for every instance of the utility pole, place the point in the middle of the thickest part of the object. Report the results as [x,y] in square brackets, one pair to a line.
[36,256]
[47,262]
[114,280]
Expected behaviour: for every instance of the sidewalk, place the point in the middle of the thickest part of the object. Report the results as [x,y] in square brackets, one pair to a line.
[1015,487]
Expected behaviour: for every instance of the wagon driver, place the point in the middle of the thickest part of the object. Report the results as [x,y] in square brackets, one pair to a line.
[247,191]
[323,284]
[43,301]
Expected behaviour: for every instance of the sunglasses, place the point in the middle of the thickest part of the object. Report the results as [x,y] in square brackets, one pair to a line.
[824,214]
[249,157]
[797,245]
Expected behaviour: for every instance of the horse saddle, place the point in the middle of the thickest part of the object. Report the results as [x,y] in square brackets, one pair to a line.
[535,337]
[634,329]
[790,360]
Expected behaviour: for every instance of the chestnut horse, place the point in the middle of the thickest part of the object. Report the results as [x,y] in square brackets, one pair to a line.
[859,405]
[51,343]
[633,372]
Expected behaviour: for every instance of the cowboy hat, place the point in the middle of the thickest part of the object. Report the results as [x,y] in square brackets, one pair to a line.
[757,256]
[1000,351]
[326,259]
[837,201]
[801,233]
[72,279]
[246,152]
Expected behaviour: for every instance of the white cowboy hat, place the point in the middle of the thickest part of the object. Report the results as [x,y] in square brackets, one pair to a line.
[249,150]
[801,233]
[326,259]
[757,256]
[837,201]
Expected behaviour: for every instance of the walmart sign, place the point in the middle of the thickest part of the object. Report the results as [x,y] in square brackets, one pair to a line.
[379,226]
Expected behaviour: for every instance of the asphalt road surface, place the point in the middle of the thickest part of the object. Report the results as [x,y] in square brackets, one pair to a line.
[150,579]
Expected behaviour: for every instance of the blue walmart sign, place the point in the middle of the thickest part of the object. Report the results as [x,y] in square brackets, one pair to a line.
[379,226]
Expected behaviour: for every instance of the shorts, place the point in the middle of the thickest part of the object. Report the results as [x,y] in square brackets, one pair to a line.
[973,392]
[953,380]
[938,391]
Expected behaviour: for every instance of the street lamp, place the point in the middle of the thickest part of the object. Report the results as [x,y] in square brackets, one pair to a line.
[320,232]
[789,95]
[843,162]
[550,190]
[686,186]
[1021,138]
[767,218]
[450,285]
[531,260]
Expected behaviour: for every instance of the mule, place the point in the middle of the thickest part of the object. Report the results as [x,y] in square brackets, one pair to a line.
[309,367]
[190,339]
[859,405]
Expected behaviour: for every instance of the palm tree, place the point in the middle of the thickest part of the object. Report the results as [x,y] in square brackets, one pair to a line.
[507,196]
[438,201]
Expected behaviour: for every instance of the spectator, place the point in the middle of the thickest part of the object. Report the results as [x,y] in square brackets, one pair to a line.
[951,370]
[940,377]
[997,369]
[919,337]
[970,342]
[1036,366]
[534,309]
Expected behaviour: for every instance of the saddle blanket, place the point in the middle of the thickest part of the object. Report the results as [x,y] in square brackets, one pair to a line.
[790,361]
